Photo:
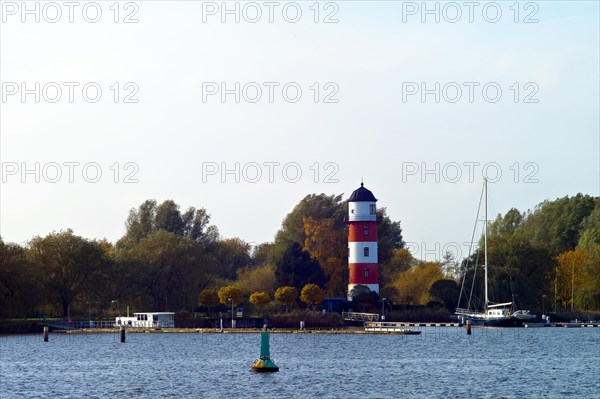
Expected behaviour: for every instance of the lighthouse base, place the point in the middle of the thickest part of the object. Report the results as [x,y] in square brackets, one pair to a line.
[372,287]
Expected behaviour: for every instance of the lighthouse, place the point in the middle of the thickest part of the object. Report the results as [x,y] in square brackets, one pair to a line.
[362,240]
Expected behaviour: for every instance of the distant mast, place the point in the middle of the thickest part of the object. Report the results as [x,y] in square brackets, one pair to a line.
[485,236]
[362,240]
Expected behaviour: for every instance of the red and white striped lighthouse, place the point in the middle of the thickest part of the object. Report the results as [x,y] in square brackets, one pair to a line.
[362,240]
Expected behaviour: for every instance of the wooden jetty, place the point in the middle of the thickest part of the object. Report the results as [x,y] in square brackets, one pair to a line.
[389,327]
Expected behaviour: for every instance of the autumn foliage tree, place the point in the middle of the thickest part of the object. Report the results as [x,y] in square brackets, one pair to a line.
[569,278]
[312,295]
[400,261]
[209,298]
[414,284]
[315,206]
[327,243]
[286,296]
[587,292]
[231,292]
[260,299]
[258,278]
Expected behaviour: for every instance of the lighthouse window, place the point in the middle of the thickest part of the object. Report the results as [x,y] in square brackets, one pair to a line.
[366,230]
[366,251]
[372,209]
[366,273]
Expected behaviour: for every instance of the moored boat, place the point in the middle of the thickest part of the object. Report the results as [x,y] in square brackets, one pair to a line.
[492,314]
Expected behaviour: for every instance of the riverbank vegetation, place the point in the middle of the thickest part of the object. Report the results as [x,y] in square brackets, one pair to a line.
[168,260]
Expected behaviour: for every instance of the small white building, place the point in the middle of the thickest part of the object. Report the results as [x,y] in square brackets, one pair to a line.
[151,319]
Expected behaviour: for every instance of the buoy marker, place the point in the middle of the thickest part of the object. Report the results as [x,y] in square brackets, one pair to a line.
[264,364]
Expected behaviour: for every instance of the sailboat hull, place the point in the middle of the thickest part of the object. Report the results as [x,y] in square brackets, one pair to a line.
[493,322]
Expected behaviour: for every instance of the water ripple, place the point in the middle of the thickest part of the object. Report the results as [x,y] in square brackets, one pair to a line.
[441,362]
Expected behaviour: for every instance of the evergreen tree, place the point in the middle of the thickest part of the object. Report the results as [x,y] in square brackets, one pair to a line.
[296,269]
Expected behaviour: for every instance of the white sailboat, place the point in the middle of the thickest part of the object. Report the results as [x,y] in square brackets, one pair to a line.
[492,314]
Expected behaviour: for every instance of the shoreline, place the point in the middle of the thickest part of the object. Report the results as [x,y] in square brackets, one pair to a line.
[402,328]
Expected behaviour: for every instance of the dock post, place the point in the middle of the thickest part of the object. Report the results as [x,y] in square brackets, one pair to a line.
[45,333]
[122,334]
[468,324]
[221,325]
[302,325]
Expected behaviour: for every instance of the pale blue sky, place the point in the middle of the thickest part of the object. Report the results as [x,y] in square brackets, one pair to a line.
[369,54]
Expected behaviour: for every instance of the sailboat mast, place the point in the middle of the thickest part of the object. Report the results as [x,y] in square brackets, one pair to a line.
[485,234]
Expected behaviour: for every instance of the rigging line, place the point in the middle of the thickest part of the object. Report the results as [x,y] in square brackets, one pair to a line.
[471,246]
[474,278]
[492,208]
[470,252]
[512,293]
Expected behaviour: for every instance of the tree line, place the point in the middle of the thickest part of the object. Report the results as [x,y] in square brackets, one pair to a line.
[168,257]
[175,260]
[546,259]
[232,295]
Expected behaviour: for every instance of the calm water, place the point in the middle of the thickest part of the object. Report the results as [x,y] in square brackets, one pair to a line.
[442,362]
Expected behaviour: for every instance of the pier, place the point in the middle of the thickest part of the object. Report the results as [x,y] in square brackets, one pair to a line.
[567,325]
[370,326]
[355,316]
[79,325]
[391,327]
[407,324]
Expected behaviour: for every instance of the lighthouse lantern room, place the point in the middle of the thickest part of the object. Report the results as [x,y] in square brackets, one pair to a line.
[362,240]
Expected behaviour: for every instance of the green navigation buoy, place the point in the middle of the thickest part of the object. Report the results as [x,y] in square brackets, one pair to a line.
[264,364]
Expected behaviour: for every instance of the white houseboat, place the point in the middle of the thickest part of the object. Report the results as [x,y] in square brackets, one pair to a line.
[152,319]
